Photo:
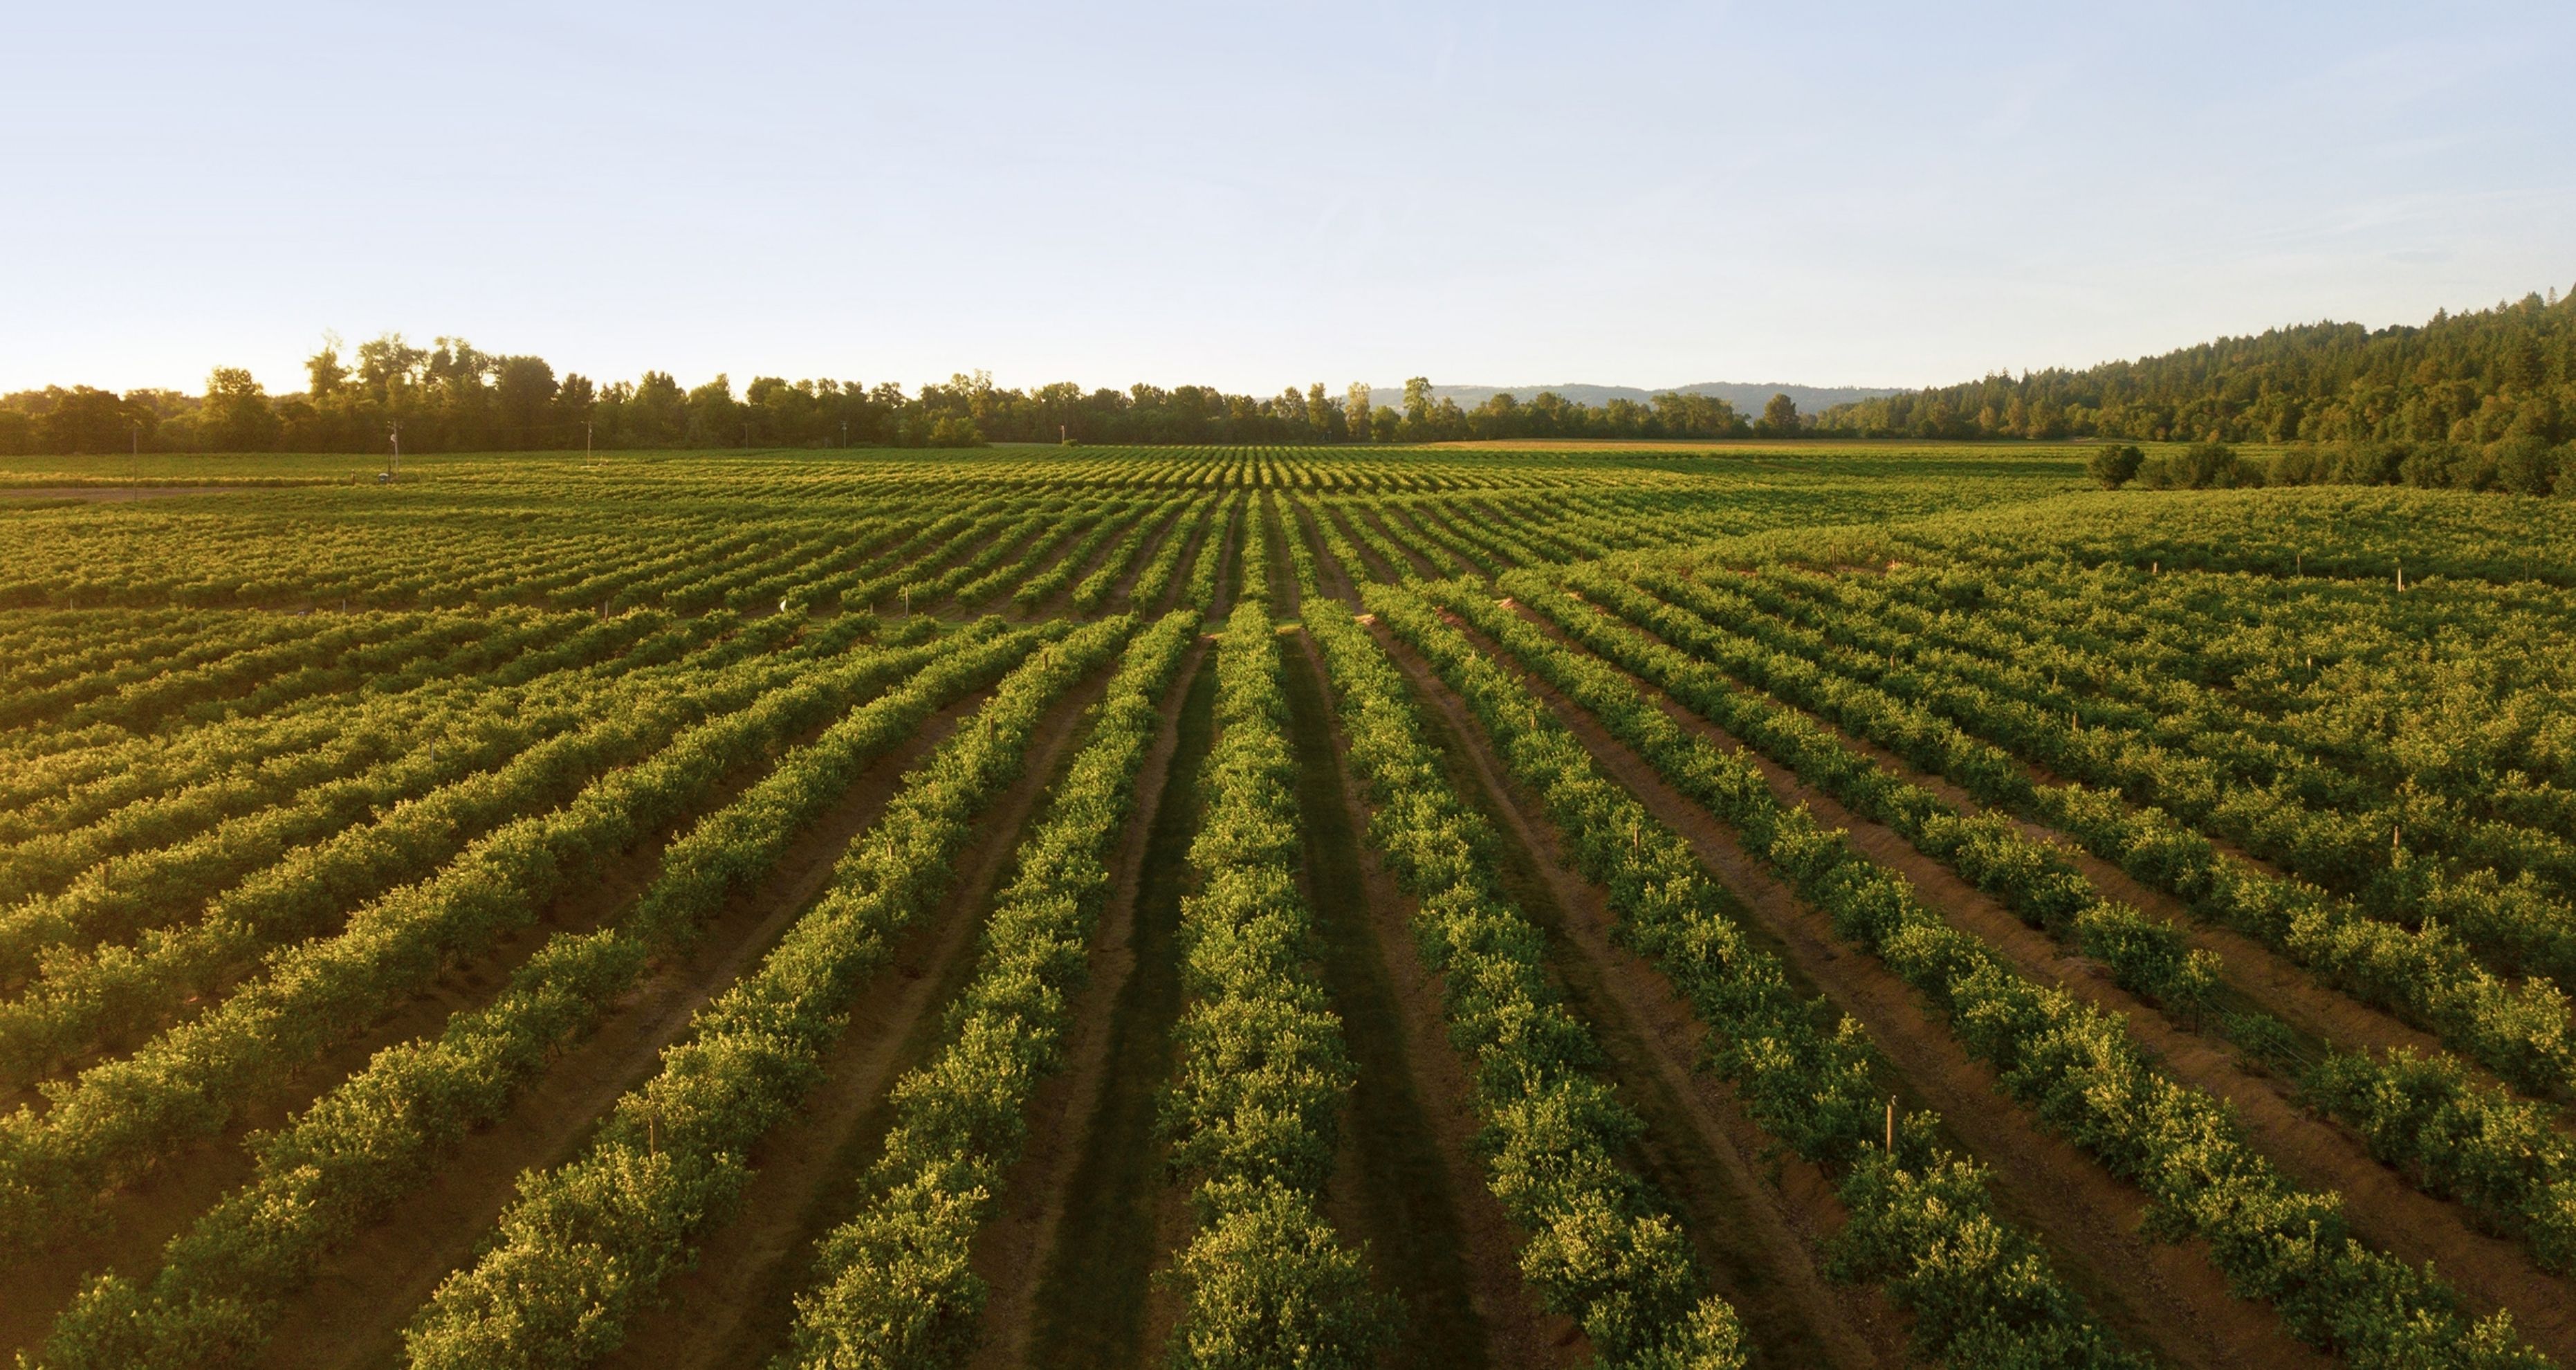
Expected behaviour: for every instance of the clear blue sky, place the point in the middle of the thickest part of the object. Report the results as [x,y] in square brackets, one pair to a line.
[1255,195]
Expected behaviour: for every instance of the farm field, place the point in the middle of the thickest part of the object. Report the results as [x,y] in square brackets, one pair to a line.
[1092,907]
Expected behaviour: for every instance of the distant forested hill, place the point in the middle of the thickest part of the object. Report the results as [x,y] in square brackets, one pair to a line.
[2506,372]
[1747,397]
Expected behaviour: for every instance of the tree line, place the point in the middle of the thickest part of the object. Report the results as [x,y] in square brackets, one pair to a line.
[2475,378]
[454,397]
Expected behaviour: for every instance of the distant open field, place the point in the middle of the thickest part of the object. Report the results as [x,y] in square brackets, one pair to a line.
[1842,904]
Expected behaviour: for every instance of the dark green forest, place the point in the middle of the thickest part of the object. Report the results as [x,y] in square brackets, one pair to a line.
[2477,378]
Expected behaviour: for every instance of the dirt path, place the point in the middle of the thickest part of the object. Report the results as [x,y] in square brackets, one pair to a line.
[1038,1192]
[1396,1187]
[353,1313]
[736,1307]
[2383,1208]
[121,494]
[1762,1240]
[2162,1297]
[1091,1305]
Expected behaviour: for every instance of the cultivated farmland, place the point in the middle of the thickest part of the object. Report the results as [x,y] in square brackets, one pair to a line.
[1233,907]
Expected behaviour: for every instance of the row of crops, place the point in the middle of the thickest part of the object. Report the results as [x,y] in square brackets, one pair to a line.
[690,912]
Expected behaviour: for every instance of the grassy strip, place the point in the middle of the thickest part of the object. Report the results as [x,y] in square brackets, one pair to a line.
[1090,1301]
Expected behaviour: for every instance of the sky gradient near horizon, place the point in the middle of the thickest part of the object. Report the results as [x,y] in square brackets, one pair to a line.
[1262,195]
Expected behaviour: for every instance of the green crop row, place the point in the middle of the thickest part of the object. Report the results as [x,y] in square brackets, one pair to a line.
[2074,1065]
[2500,1155]
[1096,587]
[1156,578]
[382,1133]
[117,1119]
[587,1243]
[896,1286]
[1263,1074]
[1982,1292]
[2425,974]
[1601,1249]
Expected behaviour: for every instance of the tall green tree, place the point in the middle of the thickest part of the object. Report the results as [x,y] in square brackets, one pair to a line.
[237,416]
